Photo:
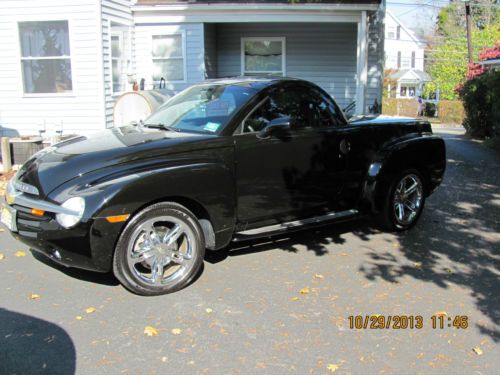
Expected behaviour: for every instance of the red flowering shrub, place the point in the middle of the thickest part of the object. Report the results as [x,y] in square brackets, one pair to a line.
[490,53]
[481,97]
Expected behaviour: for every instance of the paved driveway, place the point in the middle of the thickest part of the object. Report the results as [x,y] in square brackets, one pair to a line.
[283,306]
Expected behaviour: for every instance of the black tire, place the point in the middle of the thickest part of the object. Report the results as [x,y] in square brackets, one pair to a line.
[388,217]
[131,277]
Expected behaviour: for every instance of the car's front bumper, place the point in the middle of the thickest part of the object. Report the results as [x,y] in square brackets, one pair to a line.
[88,245]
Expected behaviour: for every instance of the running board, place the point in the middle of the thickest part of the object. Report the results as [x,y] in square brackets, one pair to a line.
[292,225]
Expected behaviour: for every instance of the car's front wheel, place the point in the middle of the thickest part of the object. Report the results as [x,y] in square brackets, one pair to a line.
[404,201]
[160,250]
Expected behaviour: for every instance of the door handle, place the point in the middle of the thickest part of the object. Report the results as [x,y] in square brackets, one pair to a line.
[345,146]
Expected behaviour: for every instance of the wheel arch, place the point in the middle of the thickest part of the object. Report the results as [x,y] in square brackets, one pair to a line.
[195,207]
[424,154]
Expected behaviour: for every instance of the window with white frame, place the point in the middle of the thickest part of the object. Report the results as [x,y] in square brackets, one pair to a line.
[407,91]
[120,56]
[391,32]
[263,56]
[45,57]
[168,57]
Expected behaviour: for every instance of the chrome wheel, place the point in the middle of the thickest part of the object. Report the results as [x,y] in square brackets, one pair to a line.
[161,250]
[408,198]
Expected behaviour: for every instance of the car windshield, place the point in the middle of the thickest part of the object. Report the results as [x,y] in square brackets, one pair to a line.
[205,108]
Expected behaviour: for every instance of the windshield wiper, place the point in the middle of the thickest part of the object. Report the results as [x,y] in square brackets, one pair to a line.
[161,126]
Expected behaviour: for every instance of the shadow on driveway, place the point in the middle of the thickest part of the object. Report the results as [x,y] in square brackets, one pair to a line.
[457,240]
[33,346]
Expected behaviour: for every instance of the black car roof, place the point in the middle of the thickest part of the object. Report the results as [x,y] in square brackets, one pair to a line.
[257,82]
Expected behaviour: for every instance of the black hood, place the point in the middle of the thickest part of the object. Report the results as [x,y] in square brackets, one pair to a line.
[75,157]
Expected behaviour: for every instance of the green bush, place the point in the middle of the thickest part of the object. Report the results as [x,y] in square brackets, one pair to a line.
[481,98]
[430,109]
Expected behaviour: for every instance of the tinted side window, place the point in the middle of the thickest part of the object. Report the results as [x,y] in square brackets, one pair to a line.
[306,107]
[259,118]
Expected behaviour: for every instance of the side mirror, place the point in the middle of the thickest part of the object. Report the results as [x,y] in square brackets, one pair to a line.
[279,127]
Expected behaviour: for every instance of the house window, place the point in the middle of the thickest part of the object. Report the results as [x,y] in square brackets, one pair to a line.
[45,57]
[120,56]
[398,32]
[413,59]
[263,56]
[391,32]
[407,91]
[168,57]
[399,60]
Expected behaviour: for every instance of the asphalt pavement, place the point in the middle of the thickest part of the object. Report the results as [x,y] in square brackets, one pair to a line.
[283,305]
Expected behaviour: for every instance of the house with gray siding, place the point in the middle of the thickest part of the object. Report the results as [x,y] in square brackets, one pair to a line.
[65,63]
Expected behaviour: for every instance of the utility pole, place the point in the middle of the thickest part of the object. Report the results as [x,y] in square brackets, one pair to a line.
[469,33]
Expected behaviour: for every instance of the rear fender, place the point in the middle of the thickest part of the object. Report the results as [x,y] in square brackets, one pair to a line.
[426,153]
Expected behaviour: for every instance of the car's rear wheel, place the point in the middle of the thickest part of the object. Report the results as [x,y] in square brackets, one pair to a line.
[160,251]
[404,202]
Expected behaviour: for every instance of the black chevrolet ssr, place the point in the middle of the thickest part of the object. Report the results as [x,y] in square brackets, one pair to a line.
[224,160]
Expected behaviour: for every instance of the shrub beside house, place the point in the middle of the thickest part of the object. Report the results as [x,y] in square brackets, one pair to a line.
[481,96]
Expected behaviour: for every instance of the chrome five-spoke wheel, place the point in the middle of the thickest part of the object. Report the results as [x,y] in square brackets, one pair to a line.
[408,199]
[160,250]
[404,201]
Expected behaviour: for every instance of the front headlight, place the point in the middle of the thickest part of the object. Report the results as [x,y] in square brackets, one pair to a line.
[77,205]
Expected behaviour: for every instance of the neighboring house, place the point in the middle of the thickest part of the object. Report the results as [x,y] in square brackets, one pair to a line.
[404,60]
[64,63]
[491,63]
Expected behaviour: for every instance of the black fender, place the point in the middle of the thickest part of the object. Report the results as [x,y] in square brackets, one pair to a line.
[426,153]
[204,186]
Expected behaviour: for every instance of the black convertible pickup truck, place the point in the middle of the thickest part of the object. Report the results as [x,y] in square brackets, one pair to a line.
[222,161]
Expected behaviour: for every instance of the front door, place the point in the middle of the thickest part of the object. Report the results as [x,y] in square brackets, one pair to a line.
[288,175]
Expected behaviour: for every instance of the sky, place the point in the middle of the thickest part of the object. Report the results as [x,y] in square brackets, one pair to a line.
[416,14]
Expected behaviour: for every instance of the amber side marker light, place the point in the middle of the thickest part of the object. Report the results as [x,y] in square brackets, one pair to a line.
[118,218]
[37,212]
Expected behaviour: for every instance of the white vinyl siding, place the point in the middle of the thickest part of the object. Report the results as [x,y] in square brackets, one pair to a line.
[116,17]
[324,53]
[194,58]
[78,111]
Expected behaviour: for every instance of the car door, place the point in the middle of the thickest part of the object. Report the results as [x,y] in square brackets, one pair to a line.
[288,175]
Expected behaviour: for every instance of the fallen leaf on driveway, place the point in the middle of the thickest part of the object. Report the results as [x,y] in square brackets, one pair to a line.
[304,290]
[34,296]
[78,317]
[318,276]
[477,350]
[209,310]
[417,264]
[294,299]
[2,257]
[90,310]
[150,331]
[20,254]
[176,331]
[332,367]
[441,313]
